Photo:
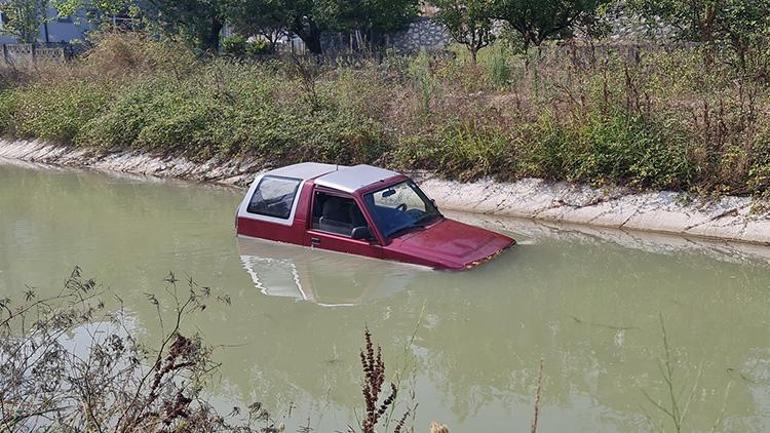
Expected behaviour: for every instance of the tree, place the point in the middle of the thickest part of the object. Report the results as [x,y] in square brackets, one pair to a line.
[266,18]
[469,22]
[23,18]
[308,19]
[744,26]
[200,21]
[370,16]
[693,20]
[100,11]
[740,25]
[541,20]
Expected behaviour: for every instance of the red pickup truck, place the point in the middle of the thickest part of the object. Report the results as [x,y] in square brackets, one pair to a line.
[361,210]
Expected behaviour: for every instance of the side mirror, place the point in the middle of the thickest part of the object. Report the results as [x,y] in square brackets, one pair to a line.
[361,234]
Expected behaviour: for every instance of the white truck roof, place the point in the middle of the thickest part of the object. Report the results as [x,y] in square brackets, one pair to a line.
[340,177]
[303,171]
[350,179]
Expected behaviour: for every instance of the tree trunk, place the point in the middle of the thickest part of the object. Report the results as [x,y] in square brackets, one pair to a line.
[210,40]
[309,33]
[474,52]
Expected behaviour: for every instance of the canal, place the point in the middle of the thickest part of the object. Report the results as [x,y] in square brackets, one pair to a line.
[588,302]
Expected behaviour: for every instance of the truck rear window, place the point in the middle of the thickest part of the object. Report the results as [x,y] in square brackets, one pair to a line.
[274,197]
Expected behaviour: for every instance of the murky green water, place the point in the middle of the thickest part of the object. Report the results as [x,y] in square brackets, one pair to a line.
[587,302]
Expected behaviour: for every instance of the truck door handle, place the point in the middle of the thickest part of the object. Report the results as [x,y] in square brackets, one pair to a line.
[315,242]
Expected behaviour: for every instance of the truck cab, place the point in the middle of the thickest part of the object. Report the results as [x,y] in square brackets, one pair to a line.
[362,210]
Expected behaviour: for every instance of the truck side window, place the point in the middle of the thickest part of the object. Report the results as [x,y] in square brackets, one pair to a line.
[337,215]
[274,197]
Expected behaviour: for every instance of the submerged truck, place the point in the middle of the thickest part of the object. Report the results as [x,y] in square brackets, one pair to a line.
[363,210]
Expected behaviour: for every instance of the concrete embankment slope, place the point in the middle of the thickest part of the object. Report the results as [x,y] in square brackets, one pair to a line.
[729,218]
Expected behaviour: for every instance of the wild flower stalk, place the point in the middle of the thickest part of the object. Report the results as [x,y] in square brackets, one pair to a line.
[374,378]
[538,395]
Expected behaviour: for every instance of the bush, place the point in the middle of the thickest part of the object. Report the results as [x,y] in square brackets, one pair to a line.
[7,109]
[234,45]
[759,171]
[257,47]
[57,112]
[222,110]
[630,149]
[117,54]
[239,47]
[499,70]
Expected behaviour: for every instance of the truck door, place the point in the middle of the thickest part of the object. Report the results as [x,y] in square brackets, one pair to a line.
[337,223]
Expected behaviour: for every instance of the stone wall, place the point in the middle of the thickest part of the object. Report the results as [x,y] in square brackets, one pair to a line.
[424,33]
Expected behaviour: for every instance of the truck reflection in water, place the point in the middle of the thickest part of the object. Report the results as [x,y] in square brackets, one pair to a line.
[323,277]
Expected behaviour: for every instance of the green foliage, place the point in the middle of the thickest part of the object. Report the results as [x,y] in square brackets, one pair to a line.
[510,39]
[234,45]
[239,47]
[420,71]
[257,47]
[759,171]
[268,19]
[499,69]
[469,22]
[100,11]
[368,16]
[460,149]
[538,21]
[308,19]
[631,149]
[705,20]
[23,18]
[56,112]
[7,109]
[613,149]
[742,25]
[198,21]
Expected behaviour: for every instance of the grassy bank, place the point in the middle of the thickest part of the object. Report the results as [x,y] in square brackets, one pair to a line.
[660,119]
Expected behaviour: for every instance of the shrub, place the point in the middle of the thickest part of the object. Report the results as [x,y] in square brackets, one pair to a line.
[239,47]
[7,109]
[498,69]
[130,387]
[422,75]
[470,151]
[234,45]
[257,47]
[122,53]
[543,149]
[632,149]
[57,112]
[759,171]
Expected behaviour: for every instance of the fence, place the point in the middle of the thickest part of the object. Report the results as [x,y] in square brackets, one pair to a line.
[21,54]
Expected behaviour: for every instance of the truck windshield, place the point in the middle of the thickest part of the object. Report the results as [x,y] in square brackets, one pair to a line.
[400,208]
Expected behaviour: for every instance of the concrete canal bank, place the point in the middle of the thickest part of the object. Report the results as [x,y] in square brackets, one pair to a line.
[728,218]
